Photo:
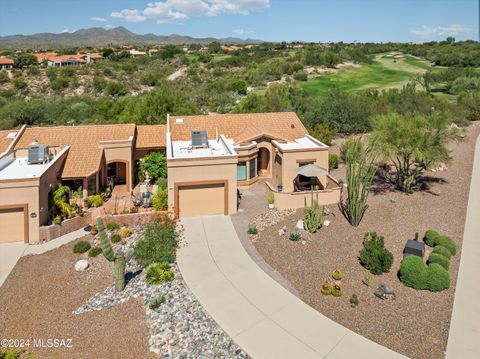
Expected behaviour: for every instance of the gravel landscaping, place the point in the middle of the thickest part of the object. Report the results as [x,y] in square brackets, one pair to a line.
[46,298]
[416,323]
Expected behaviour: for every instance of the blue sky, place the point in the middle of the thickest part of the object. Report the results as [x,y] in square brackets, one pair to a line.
[273,20]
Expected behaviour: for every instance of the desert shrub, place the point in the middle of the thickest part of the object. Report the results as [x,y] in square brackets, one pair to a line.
[160,199]
[437,278]
[13,353]
[95,251]
[155,302]
[81,247]
[4,77]
[158,243]
[112,226]
[252,229]
[312,215]
[300,76]
[20,83]
[295,235]
[374,256]
[154,164]
[157,273]
[115,238]
[413,272]
[443,251]
[439,259]
[115,89]
[333,161]
[337,274]
[327,288]
[433,239]
[125,232]
[322,132]
[96,200]
[337,291]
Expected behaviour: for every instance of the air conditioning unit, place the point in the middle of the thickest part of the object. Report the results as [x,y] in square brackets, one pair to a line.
[38,154]
[199,139]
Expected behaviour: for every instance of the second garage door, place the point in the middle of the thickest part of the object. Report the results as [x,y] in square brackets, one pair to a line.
[12,224]
[202,199]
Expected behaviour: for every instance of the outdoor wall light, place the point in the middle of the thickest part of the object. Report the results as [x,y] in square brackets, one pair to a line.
[33,215]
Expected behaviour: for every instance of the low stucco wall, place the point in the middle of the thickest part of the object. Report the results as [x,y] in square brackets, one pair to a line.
[286,200]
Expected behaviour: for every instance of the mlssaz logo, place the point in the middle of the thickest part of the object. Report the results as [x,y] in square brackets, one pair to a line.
[52,343]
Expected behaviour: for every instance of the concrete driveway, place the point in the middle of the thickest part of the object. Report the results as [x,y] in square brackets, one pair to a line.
[261,316]
[10,253]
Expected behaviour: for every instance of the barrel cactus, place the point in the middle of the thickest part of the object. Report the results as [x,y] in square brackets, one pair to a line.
[120,260]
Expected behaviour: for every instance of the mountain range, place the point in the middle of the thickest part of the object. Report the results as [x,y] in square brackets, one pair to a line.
[99,36]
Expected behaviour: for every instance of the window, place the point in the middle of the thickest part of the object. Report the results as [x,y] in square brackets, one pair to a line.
[305,162]
[253,168]
[242,171]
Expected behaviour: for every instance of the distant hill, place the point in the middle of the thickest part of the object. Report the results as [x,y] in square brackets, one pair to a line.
[98,36]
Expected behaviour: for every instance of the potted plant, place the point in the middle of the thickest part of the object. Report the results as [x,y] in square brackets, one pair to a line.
[94,230]
[57,220]
[87,203]
[271,200]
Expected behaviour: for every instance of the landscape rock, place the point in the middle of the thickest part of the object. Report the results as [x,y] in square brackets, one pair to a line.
[326,223]
[300,224]
[81,265]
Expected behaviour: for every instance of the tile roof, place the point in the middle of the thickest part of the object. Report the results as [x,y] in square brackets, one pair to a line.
[6,61]
[240,127]
[84,155]
[151,136]
[4,140]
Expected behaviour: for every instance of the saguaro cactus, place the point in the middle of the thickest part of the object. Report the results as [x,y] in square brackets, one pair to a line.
[120,260]
[313,215]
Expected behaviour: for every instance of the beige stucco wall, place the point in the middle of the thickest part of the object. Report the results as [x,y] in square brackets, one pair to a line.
[290,165]
[196,171]
[284,200]
[118,151]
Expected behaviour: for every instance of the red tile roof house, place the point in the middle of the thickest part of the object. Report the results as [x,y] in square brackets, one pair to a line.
[209,157]
[55,60]
[6,64]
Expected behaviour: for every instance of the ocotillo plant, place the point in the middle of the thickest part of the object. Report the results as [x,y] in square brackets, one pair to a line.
[360,168]
[119,259]
[313,215]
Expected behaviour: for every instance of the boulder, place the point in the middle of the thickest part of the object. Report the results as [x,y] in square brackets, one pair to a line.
[326,223]
[300,224]
[81,265]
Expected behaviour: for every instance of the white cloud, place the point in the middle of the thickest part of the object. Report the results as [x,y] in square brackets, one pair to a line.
[175,10]
[439,31]
[129,15]
[68,31]
[242,32]
[98,18]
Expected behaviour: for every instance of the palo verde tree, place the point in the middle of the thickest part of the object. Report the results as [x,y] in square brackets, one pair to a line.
[413,144]
[359,156]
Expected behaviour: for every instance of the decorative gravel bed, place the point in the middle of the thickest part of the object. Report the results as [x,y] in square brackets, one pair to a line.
[417,322]
[178,328]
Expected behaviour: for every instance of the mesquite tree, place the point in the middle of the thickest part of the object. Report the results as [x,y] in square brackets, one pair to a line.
[413,144]
[119,259]
[360,167]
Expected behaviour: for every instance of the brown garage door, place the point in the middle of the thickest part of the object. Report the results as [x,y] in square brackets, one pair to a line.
[202,199]
[12,224]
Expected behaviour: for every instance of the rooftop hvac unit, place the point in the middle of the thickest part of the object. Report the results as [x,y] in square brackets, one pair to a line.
[38,154]
[199,139]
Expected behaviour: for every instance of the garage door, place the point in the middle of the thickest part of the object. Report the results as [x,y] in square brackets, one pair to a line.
[198,200]
[12,224]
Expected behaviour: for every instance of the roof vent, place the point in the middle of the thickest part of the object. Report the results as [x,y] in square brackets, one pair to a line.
[199,139]
[179,121]
[292,125]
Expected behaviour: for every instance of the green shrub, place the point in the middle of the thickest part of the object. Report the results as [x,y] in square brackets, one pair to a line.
[125,232]
[155,302]
[327,288]
[157,273]
[154,164]
[95,251]
[439,259]
[115,238]
[113,226]
[81,247]
[437,278]
[413,272]
[96,200]
[252,229]
[158,243]
[300,76]
[160,199]
[337,291]
[333,161]
[443,251]
[4,77]
[374,256]
[295,235]
[13,353]
[434,239]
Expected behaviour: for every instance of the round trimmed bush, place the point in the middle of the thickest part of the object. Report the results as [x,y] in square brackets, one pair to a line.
[115,238]
[448,243]
[438,278]
[444,251]
[431,238]
[413,272]
[81,247]
[95,251]
[439,259]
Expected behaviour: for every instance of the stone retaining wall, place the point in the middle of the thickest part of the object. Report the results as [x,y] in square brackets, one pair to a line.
[52,231]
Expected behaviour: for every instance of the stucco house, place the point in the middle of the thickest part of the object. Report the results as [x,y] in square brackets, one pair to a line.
[6,63]
[209,158]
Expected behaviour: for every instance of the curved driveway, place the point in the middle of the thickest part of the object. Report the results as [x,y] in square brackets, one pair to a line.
[261,316]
